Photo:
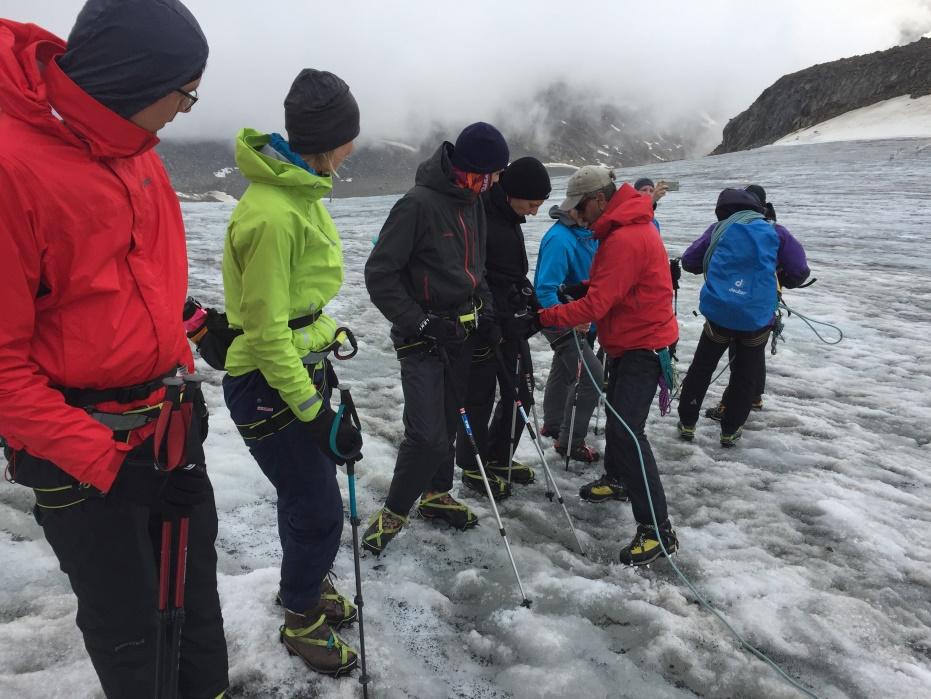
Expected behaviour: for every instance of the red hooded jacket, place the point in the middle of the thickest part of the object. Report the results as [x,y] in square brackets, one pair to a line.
[92,258]
[630,290]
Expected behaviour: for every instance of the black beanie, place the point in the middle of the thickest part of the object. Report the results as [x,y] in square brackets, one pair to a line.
[480,148]
[643,182]
[526,178]
[320,113]
[128,54]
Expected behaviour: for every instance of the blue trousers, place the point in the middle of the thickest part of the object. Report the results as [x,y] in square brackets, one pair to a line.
[310,506]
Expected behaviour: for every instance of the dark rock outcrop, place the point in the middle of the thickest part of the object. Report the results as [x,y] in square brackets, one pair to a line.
[824,91]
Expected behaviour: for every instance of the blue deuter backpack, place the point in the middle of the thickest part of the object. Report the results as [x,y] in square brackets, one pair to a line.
[740,290]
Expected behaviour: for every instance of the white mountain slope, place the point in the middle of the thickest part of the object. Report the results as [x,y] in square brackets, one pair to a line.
[899,117]
[813,535]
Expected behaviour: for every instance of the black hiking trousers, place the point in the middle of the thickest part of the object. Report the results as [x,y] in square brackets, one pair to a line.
[760,388]
[485,377]
[110,552]
[634,378]
[431,416]
[748,366]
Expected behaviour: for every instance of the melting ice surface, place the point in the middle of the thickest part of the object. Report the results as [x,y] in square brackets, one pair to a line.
[813,535]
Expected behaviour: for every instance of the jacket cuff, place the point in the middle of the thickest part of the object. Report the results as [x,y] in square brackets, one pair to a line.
[309,407]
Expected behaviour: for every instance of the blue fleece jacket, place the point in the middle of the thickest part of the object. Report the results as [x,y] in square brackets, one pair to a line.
[565,257]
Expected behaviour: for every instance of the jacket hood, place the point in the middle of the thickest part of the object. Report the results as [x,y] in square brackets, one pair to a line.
[627,206]
[256,166]
[563,217]
[34,90]
[436,173]
[730,201]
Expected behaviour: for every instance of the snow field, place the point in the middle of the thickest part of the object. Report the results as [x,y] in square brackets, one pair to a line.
[811,536]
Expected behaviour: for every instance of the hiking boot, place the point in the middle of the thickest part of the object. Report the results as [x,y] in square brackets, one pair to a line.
[645,548]
[603,489]
[551,432]
[686,433]
[500,489]
[580,452]
[444,506]
[309,637]
[757,403]
[339,611]
[383,527]
[520,473]
[717,412]
[729,440]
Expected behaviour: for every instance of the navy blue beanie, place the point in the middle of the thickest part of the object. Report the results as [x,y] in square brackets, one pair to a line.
[643,182]
[480,148]
[128,54]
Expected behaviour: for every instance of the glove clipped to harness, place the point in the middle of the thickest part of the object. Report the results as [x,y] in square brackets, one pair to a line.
[441,331]
[138,481]
[489,330]
[336,436]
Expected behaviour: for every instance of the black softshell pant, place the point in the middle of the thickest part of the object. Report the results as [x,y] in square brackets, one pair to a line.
[485,377]
[748,365]
[760,384]
[634,378]
[110,553]
[431,404]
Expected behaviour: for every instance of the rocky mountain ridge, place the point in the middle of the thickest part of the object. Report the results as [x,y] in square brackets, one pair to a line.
[821,92]
[558,126]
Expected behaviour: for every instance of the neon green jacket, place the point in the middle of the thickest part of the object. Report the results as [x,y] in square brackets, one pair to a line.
[283,259]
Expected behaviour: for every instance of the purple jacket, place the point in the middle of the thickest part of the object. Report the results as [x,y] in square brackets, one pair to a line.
[791,264]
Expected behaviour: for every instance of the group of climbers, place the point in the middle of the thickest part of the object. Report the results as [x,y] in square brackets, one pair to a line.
[94,343]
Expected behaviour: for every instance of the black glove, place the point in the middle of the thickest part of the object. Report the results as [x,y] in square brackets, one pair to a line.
[186,487]
[522,326]
[139,482]
[348,438]
[675,271]
[440,330]
[571,292]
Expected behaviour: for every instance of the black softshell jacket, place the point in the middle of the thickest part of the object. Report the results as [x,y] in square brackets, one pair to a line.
[430,254]
[506,263]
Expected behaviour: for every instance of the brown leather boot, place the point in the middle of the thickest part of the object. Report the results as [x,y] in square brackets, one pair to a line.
[338,609]
[309,637]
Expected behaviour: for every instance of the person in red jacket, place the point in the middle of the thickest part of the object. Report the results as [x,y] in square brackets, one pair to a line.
[94,267]
[629,297]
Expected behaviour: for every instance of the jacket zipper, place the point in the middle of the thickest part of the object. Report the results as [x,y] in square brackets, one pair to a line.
[426,287]
[465,239]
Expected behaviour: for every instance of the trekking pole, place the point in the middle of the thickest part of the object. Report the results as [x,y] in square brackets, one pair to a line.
[575,402]
[604,364]
[513,413]
[519,406]
[481,468]
[346,403]
[166,666]
[164,573]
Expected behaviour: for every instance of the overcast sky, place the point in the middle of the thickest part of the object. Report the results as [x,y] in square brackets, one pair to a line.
[412,62]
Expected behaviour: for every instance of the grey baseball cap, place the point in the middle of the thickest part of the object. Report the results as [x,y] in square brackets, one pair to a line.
[586,180]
